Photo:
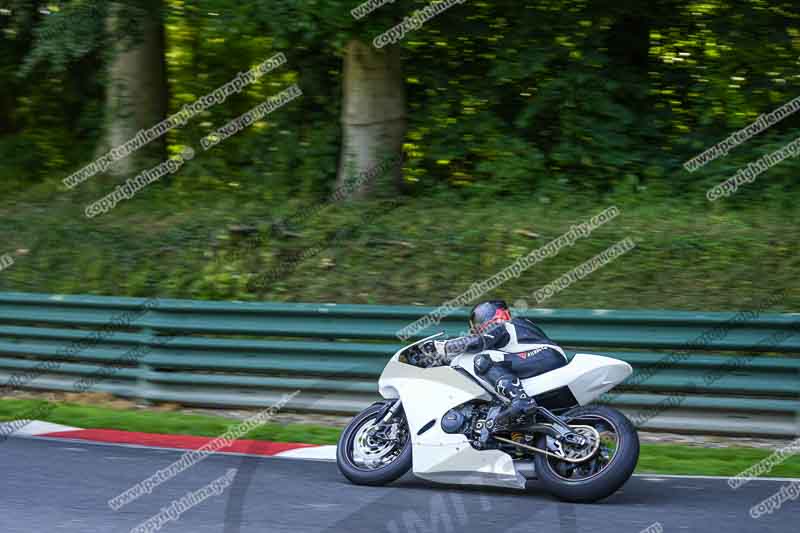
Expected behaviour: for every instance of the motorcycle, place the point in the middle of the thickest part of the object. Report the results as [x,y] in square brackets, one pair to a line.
[431,418]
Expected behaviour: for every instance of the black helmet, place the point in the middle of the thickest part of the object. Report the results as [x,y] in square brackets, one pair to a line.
[488,312]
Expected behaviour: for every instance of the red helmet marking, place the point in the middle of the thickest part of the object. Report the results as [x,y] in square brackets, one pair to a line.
[500,315]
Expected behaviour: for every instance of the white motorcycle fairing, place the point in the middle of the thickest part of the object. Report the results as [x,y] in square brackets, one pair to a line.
[427,394]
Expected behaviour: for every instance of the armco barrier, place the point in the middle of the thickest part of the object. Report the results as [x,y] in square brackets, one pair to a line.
[250,354]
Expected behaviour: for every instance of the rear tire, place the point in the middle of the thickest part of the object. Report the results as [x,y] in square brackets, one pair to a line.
[607,480]
[382,475]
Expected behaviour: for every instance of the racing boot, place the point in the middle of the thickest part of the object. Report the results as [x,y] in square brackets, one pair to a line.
[500,418]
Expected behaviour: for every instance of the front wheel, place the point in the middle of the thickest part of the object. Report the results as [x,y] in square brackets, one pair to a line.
[368,454]
[605,471]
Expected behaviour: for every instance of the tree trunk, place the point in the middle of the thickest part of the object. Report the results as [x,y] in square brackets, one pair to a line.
[8,110]
[136,97]
[373,119]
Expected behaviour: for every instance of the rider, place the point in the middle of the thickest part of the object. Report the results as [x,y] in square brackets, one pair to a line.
[528,352]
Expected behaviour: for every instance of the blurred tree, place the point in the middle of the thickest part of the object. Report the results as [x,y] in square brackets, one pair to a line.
[549,98]
[50,82]
[371,92]
[136,94]
[373,113]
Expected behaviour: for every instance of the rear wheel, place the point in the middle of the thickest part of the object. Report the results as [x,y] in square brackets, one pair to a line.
[605,471]
[371,455]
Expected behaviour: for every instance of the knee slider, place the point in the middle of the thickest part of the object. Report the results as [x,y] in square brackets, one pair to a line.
[483,363]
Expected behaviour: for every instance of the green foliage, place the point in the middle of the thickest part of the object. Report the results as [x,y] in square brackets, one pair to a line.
[525,115]
[67,35]
[546,97]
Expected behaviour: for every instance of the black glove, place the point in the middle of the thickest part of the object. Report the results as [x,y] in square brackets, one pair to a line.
[428,348]
[433,353]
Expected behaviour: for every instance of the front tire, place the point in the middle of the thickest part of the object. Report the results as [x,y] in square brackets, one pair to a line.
[601,475]
[366,460]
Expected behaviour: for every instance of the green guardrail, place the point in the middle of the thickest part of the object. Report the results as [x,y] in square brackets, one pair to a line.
[727,373]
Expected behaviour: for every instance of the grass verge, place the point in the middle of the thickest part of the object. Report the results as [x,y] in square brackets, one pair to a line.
[426,251]
[93,417]
[655,458]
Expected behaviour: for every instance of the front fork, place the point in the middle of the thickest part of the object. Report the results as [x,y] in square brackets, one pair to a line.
[390,409]
[382,428]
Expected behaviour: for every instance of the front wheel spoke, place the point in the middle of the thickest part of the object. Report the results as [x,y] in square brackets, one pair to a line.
[372,449]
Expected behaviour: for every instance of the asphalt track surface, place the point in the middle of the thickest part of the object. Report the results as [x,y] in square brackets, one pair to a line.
[64,486]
